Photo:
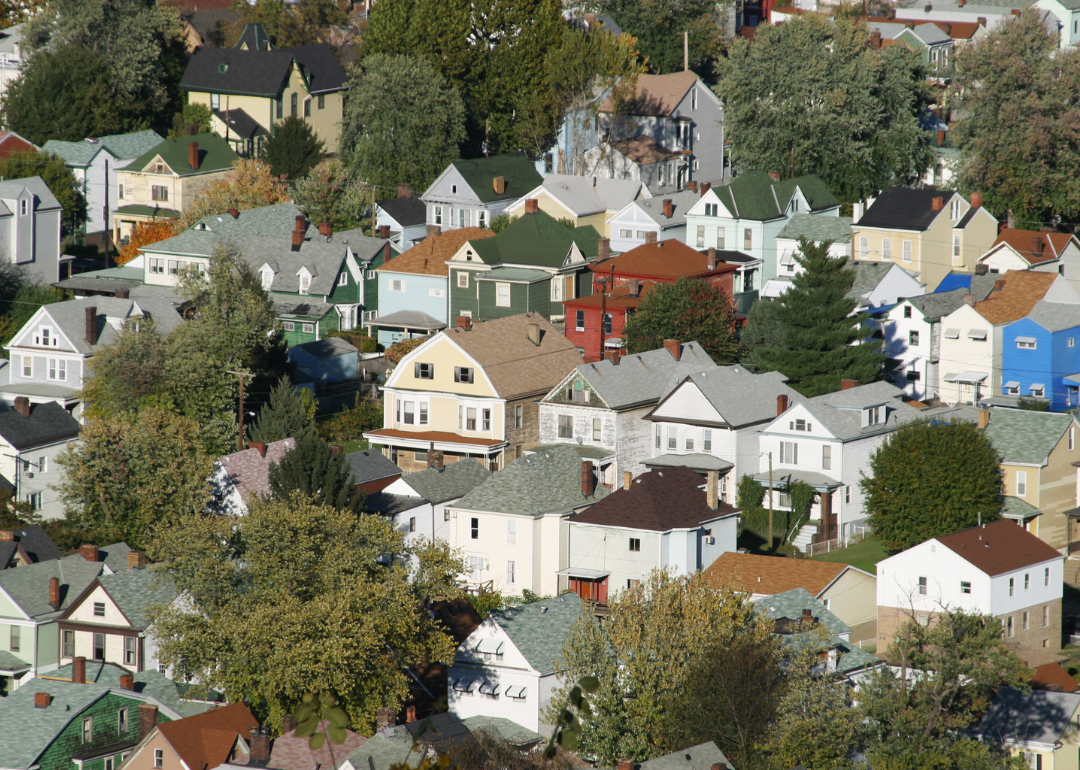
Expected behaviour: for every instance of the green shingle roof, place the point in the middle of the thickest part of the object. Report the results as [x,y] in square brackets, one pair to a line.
[28,586]
[790,604]
[502,729]
[121,146]
[1022,436]
[1015,508]
[537,240]
[701,757]
[817,228]
[754,195]
[539,630]
[215,154]
[517,171]
[135,590]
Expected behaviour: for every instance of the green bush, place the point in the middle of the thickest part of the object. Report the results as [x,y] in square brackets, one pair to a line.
[486,602]
[350,424]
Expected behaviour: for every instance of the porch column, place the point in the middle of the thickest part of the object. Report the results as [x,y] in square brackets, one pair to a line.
[827,516]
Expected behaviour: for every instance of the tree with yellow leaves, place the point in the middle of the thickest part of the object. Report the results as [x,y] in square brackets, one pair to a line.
[144,235]
[250,185]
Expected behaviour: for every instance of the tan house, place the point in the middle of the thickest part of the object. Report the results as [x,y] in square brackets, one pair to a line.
[585,200]
[472,391]
[203,741]
[163,181]
[928,231]
[252,86]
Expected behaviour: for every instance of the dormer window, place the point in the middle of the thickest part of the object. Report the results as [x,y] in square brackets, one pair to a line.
[159,168]
[24,207]
[267,277]
[795,205]
[954,210]
[711,209]
[305,282]
[223,68]
[875,415]
[693,98]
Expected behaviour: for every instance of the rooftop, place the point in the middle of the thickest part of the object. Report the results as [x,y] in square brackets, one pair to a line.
[453,481]
[1034,245]
[662,260]
[1029,716]
[517,171]
[28,586]
[754,195]
[787,607]
[680,204]
[48,423]
[70,317]
[293,753]
[537,240]
[999,547]
[656,95]
[539,629]
[207,740]
[215,154]
[740,396]
[327,347]
[705,756]
[817,228]
[135,591]
[33,541]
[905,208]
[429,256]
[120,146]
[11,189]
[585,195]
[840,412]
[262,73]
[643,150]
[249,470]
[405,210]
[1021,291]
[771,575]
[370,465]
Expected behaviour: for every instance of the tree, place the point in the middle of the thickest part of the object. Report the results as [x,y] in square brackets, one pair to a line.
[330,193]
[312,468]
[913,492]
[822,338]
[56,176]
[351,423]
[288,414]
[762,330]
[129,474]
[659,27]
[14,12]
[249,185]
[146,233]
[293,149]
[1016,91]
[20,297]
[403,122]
[291,24]
[689,309]
[484,752]
[812,97]
[294,598]
[192,114]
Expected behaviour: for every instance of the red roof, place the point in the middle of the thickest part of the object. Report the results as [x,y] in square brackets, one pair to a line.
[11,142]
[292,753]
[1033,245]
[439,437]
[1000,547]
[1052,676]
[618,298]
[207,740]
[663,260]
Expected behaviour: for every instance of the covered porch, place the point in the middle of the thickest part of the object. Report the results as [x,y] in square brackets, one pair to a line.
[590,584]
[12,671]
[409,450]
[403,325]
[828,524]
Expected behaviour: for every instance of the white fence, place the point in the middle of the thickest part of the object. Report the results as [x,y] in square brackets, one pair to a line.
[857,535]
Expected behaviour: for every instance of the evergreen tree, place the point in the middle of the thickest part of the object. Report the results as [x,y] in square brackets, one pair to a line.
[293,149]
[689,309]
[287,415]
[762,330]
[821,338]
[313,469]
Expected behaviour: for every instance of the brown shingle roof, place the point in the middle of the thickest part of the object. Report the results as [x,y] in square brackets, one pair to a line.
[659,500]
[999,547]
[206,740]
[515,365]
[664,260]
[618,298]
[643,150]
[250,471]
[1052,244]
[429,256]
[770,575]
[1021,291]
[438,436]
[292,753]
[656,95]
[1051,676]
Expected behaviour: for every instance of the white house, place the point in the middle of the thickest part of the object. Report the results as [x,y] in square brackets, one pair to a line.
[406,217]
[470,193]
[630,226]
[238,478]
[816,229]
[997,569]
[31,436]
[30,219]
[1035,250]
[11,56]
[506,667]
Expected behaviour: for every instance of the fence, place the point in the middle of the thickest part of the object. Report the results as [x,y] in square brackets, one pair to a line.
[858,534]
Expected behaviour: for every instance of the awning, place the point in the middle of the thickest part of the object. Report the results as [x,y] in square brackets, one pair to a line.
[1026,340]
[967,378]
[1019,510]
[1039,386]
[1012,384]
[515,691]
[583,573]
[490,646]
[782,479]
[952,334]
[489,688]
[464,685]
[698,461]
[977,334]
[1072,380]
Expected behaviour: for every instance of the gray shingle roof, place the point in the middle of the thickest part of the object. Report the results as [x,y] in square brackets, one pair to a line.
[370,465]
[135,590]
[931,34]
[453,481]
[208,232]
[70,317]
[539,629]
[704,756]
[405,211]
[1037,716]
[934,306]
[681,203]
[48,423]
[1023,436]
[120,146]
[841,412]
[46,200]
[817,228]
[534,485]
[327,347]
[36,542]
[867,276]
[741,397]
[28,586]
[1055,316]
[586,195]
[391,505]
[790,604]
[147,682]
[642,378]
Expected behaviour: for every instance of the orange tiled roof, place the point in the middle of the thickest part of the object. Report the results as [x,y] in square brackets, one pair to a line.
[1021,290]
[1049,246]
[769,575]
[206,740]
[429,256]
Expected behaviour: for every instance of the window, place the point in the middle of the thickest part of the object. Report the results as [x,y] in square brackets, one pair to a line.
[502,294]
[954,210]
[159,192]
[579,320]
[1038,391]
[1027,343]
[305,282]
[34,498]
[409,412]
[596,423]
[635,544]
[322,101]
[159,754]
[922,586]
[343,279]
[693,99]
[1021,483]
[956,248]
[1071,343]
[626,233]
[27,366]
[438,215]
[1009,627]
[99,647]
[783,499]
[292,103]
[289,326]
[462,280]
[847,494]
[470,418]
[886,250]
[907,311]
[396,284]
[607,323]
[688,442]
[131,650]
[965,587]
[720,238]
[1072,438]
[14,641]
[864,247]
[453,189]
[511,532]
[120,193]
[423,406]
[672,437]
[122,721]
[802,425]
[44,338]
[412,519]
[1046,576]
[511,571]
[826,458]
[706,440]
[307,108]
[657,436]
[1024,621]
[566,426]
[1012,586]
[88,730]
[474,529]
[519,412]
[57,369]
[463,374]
[487,420]
[215,99]
[907,251]
[913,375]
[99,609]
[424,371]
[789,452]
[631,584]
[157,265]
[174,268]
[641,235]
[69,644]
[463,218]
[280,108]
[43,465]
[481,218]
[159,168]
[875,415]
[701,236]
[748,238]
[1046,615]
[1027,581]
[711,209]
[913,338]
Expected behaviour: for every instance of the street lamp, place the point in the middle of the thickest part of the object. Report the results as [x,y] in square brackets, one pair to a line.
[762,454]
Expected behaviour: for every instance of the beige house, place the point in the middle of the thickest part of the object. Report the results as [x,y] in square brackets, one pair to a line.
[927,231]
[586,200]
[204,741]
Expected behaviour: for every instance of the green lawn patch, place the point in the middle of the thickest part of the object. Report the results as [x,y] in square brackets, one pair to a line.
[864,555]
[355,446]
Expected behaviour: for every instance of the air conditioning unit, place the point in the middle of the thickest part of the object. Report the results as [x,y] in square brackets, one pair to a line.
[30,475]
[710,540]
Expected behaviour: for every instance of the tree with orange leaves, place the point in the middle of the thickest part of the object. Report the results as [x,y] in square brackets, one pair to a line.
[144,235]
[249,185]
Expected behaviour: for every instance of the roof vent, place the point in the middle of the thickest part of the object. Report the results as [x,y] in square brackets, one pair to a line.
[543,609]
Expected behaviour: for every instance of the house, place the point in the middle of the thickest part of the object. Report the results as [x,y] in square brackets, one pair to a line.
[878,284]
[369,470]
[258,85]
[1038,725]
[671,131]
[26,545]
[847,592]
[10,141]
[925,230]
[419,503]
[31,437]
[584,200]
[48,356]
[471,391]
[704,756]
[817,230]
[11,56]
[930,41]
[94,162]
[1039,355]
[600,407]
[76,723]
[997,569]
[1063,16]
[749,213]
[506,667]
[30,225]
[108,621]
[291,752]
[470,193]
[666,519]
[406,217]
[331,359]
[666,217]
[613,306]
[1046,252]
[413,286]
[165,179]
[709,420]
[972,339]
[205,741]
[240,477]
[534,264]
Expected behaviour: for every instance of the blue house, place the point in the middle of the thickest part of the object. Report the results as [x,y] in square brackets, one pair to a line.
[1040,356]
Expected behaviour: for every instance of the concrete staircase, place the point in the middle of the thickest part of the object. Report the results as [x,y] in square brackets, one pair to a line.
[804,536]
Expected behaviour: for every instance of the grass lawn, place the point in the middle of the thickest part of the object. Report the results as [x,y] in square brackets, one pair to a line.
[355,446]
[865,555]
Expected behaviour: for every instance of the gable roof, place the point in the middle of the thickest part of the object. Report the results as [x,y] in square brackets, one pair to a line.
[510,360]
[370,465]
[1033,245]
[135,590]
[584,195]
[539,629]
[35,543]
[249,470]
[740,396]
[705,756]
[36,186]
[121,146]
[537,240]
[429,256]
[841,411]
[202,237]
[262,73]
[1020,291]
[147,682]
[754,195]
[642,150]
[327,347]
[70,316]
[934,306]
[680,204]
[453,481]
[292,753]
[655,95]
[48,423]
[323,259]
[660,501]
[11,142]
[1028,716]
[770,575]
[207,740]
[998,547]
[28,586]
[670,259]
[518,173]
[215,154]
[905,208]
[817,228]
[641,378]
[254,38]
[1055,316]
[405,210]
[868,275]
[790,605]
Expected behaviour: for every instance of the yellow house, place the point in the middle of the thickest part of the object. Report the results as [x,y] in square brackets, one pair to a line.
[472,391]
[927,231]
[587,200]
[1039,725]
[252,86]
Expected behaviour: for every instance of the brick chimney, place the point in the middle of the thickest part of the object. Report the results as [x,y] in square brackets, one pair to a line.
[937,203]
[533,331]
[669,208]
[259,746]
[981,21]
[78,670]
[999,284]
[875,39]
[846,384]
[127,681]
[807,615]
[54,593]
[615,356]
[301,223]
[385,718]
[673,347]
[976,200]
[635,288]
[404,190]
[650,237]
[781,404]
[234,213]
[384,231]
[89,552]
[387,255]
[258,445]
[969,300]
[626,764]
[90,318]
[984,419]
[22,406]
[122,293]
[774,175]
[433,230]
[712,257]
[982,269]
[148,716]
[712,489]
[7,536]
[136,559]
[692,185]
[498,184]
[603,249]
[325,230]
[337,450]
[946,27]
[436,459]
[705,187]
[193,155]
[288,723]
[464,322]
[940,137]
[531,206]
[587,479]
[410,714]
[42,700]
[627,478]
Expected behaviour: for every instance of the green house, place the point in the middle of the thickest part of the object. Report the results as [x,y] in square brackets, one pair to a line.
[533,265]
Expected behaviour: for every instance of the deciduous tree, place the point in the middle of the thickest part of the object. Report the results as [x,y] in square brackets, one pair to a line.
[192,114]
[293,23]
[249,185]
[659,27]
[146,234]
[293,149]
[689,309]
[56,176]
[331,193]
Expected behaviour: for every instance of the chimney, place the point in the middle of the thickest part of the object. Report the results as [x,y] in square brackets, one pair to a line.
[385,718]
[337,450]
[627,477]
[42,700]
[22,406]
[615,357]
[875,39]
[136,559]
[587,478]
[404,190]
[258,445]
[433,230]
[384,231]
[259,746]
[691,185]
[712,489]
[410,714]
[533,330]
[325,230]
[531,206]
[603,249]
[193,154]
[1036,245]
[148,716]
[122,293]
[781,404]
[705,187]
[807,615]
[712,257]
[297,239]
[7,535]
[650,237]
[288,723]
[846,384]
[981,21]
[976,200]
[857,210]
[127,681]
[90,317]
[54,593]
[89,552]
[635,288]
[982,269]
[499,185]
[937,203]
[999,284]
[669,208]
[774,175]
[969,300]
[78,670]
[464,322]
[946,27]
[673,347]
[940,137]
[301,223]
[626,764]
[984,419]
[386,253]
[435,460]
[234,213]
[1015,11]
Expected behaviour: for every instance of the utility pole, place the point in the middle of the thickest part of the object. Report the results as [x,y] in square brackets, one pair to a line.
[603,306]
[243,376]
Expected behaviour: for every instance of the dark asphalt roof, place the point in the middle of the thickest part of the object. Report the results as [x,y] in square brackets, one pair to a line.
[904,208]
[47,424]
[261,73]
[35,541]
[240,123]
[405,211]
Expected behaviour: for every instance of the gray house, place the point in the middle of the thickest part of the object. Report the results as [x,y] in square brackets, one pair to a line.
[470,193]
[327,360]
[30,439]
[666,217]
[30,218]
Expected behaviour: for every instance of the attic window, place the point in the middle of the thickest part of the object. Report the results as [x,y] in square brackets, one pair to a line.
[223,67]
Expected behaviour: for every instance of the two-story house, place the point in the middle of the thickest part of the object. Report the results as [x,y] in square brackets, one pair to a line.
[241,477]
[208,740]
[816,229]
[1036,724]
[601,405]
[253,86]
[471,391]
[470,193]
[533,265]
[996,569]
[665,217]
[12,57]
[667,519]
[165,179]
[1035,250]
[26,545]
[925,230]
[748,214]
[585,200]
[30,222]
[1039,355]
[31,436]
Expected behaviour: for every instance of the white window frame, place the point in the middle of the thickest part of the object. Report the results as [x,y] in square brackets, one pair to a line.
[506,301]
[511,532]
[511,572]
[907,251]
[826,457]
[886,248]
[1021,483]
[864,247]
[343,279]
[462,279]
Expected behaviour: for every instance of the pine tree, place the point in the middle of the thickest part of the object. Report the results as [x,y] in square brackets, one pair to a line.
[822,338]
[293,149]
[312,468]
[288,414]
